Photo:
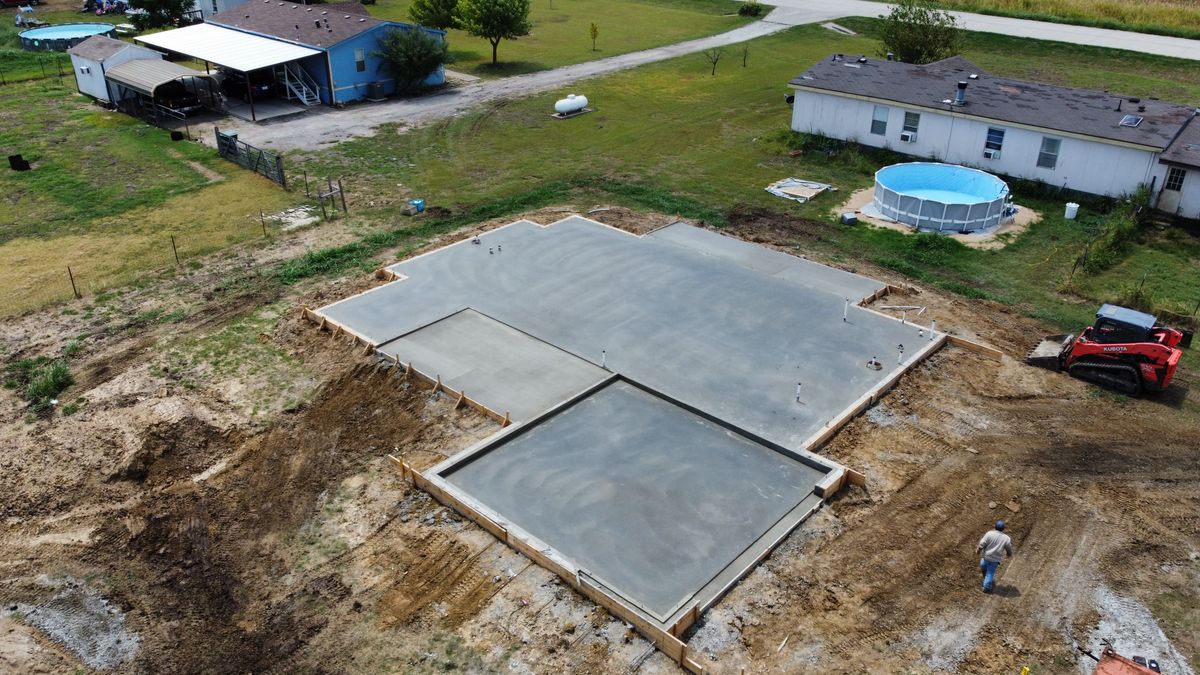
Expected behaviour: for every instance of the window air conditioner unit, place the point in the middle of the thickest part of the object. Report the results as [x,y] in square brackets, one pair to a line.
[991,154]
[908,137]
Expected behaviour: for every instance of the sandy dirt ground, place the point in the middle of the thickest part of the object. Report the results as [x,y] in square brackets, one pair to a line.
[190,519]
[995,238]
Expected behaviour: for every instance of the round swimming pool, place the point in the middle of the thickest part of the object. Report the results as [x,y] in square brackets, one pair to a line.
[63,36]
[942,197]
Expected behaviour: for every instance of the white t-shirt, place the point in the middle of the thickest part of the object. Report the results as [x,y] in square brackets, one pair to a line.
[994,545]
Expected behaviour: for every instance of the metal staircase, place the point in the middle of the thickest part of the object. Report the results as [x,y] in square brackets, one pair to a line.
[298,85]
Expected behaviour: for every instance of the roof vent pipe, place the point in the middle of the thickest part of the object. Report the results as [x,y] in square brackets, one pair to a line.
[1119,102]
[1141,108]
[960,97]
[862,59]
[891,56]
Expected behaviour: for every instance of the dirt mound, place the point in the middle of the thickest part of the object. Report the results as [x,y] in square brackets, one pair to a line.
[763,226]
[211,550]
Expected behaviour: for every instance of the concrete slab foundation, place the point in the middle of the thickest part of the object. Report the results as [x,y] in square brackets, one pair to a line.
[727,327]
[654,508]
[494,364]
[666,389]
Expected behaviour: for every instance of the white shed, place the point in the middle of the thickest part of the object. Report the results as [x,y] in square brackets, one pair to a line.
[92,57]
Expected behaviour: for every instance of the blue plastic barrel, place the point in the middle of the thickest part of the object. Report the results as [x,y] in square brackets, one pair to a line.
[419,203]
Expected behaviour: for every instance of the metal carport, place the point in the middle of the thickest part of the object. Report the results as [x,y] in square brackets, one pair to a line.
[145,76]
[230,49]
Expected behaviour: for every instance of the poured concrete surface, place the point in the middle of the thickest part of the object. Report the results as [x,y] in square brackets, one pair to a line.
[724,326]
[774,263]
[653,500]
[494,364]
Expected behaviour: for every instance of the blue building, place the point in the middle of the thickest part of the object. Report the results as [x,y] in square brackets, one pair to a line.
[273,55]
[346,36]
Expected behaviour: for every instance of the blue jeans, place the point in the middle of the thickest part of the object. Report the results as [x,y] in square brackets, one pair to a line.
[989,574]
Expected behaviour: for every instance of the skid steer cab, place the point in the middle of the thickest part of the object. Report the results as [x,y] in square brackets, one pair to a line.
[1125,349]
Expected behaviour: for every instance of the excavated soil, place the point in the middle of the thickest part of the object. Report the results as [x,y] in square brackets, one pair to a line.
[170,527]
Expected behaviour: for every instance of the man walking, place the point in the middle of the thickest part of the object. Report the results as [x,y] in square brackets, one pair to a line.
[994,546]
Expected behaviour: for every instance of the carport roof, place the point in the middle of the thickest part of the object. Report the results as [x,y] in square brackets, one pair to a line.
[226,47]
[146,75]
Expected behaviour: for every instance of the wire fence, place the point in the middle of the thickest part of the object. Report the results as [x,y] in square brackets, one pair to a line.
[47,67]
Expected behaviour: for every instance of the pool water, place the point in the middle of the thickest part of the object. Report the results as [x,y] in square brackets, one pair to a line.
[944,196]
[67,31]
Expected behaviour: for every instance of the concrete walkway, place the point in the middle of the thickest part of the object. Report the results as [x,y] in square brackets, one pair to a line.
[324,126]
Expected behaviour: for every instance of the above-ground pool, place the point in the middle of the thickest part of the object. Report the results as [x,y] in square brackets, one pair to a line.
[63,36]
[942,197]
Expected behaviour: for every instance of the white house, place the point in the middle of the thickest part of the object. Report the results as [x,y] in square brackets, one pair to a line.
[210,8]
[91,58]
[953,111]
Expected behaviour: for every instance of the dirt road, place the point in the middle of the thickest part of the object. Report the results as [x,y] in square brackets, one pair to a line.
[322,126]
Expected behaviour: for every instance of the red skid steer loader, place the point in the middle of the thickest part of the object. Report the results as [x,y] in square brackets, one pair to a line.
[1125,349]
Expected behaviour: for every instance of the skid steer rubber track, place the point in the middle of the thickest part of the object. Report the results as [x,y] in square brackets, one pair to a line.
[1123,377]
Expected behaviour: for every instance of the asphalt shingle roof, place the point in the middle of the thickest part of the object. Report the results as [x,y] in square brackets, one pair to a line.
[1186,149]
[319,26]
[1080,111]
[98,48]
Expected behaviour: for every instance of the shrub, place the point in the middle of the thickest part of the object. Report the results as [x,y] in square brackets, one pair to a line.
[1121,228]
[411,56]
[916,32]
[750,8]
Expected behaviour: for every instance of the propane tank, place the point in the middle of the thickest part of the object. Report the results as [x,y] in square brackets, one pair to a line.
[570,104]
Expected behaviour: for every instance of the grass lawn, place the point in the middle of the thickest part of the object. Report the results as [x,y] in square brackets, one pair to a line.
[16,64]
[560,34]
[105,194]
[672,137]
[1165,17]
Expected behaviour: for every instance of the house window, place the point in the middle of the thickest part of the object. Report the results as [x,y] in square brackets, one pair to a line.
[1174,179]
[912,120]
[360,60]
[1048,156]
[879,121]
[214,7]
[995,139]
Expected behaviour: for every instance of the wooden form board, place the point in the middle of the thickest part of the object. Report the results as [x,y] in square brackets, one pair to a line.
[666,641]
[407,369]
[867,400]
[977,347]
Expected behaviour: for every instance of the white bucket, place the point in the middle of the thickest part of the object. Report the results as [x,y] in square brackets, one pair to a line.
[1072,211]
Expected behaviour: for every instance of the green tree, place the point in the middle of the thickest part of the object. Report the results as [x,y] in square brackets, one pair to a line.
[494,20]
[916,32]
[434,13]
[411,55]
[594,31]
[160,13]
